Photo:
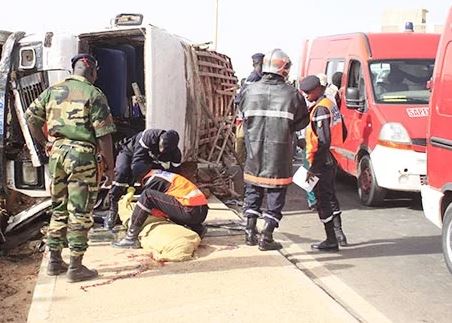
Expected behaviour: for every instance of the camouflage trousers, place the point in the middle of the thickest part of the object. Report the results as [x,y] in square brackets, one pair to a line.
[74,186]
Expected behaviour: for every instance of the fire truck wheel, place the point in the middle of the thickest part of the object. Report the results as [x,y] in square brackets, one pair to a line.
[447,237]
[369,192]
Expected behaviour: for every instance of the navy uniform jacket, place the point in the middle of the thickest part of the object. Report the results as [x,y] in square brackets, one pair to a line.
[144,149]
[252,78]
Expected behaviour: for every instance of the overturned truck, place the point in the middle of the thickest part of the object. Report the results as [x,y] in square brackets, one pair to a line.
[152,79]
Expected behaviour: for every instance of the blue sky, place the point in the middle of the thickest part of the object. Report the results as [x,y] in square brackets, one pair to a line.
[245,26]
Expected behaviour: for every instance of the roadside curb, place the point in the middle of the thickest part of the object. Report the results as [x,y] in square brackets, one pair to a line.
[41,303]
[302,296]
[341,293]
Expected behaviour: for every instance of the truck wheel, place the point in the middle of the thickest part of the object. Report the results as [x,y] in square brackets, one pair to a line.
[369,192]
[447,237]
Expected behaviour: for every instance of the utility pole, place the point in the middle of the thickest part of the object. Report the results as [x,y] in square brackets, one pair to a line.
[215,43]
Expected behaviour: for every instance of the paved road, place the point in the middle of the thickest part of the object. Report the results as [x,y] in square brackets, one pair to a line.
[394,261]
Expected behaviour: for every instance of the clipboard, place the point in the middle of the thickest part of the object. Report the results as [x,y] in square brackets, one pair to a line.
[299,178]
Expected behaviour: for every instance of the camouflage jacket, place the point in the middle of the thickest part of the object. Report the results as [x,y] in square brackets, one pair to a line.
[73,109]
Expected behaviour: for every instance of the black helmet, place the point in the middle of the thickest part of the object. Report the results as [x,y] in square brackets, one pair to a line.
[170,140]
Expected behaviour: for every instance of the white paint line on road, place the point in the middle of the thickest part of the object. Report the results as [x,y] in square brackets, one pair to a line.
[43,294]
[331,284]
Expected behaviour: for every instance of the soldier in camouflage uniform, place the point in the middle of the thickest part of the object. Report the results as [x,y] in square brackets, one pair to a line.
[78,118]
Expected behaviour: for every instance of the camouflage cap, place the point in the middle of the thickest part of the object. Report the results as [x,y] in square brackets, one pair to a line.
[87,58]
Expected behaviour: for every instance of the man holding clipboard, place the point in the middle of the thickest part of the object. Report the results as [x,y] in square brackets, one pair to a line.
[325,129]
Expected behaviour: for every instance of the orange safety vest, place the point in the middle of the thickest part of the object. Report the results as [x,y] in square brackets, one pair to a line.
[184,191]
[335,128]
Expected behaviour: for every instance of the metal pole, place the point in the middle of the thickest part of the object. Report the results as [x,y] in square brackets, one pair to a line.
[216,26]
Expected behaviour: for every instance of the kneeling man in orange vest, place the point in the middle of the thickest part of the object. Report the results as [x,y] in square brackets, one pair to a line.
[167,195]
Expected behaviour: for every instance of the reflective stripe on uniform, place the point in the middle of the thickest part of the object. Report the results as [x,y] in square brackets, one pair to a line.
[269,113]
[319,118]
[269,216]
[268,181]
[114,183]
[167,176]
[141,206]
[142,143]
[193,194]
[249,211]
[328,219]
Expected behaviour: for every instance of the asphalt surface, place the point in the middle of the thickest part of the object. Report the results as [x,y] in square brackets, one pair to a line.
[394,259]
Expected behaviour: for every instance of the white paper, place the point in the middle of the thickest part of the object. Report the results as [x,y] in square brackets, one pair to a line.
[299,178]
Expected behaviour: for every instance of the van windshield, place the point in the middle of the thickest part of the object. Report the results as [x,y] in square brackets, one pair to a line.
[401,81]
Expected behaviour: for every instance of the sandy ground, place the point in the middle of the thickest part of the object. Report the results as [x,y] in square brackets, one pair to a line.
[18,273]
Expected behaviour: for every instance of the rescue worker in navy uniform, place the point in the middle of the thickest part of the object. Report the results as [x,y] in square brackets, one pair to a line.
[167,195]
[149,149]
[325,129]
[255,76]
[273,110]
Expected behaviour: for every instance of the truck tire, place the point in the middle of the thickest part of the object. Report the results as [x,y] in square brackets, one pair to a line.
[447,237]
[369,192]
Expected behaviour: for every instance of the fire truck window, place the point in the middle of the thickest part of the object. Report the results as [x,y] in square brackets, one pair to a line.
[333,66]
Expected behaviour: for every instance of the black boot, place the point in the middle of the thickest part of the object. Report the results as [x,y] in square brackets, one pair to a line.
[56,264]
[131,241]
[341,238]
[330,244]
[266,241]
[250,231]
[77,272]
[112,216]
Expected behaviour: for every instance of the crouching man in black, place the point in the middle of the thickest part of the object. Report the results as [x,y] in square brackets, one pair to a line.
[170,196]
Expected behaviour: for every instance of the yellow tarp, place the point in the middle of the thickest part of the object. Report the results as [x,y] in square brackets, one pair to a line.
[166,240]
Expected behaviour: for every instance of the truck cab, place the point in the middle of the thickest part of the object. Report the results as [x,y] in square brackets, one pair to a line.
[384,102]
[437,191]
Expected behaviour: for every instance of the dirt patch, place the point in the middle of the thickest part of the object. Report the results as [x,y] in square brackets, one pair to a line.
[18,274]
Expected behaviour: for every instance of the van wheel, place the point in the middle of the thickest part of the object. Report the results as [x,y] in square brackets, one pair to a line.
[447,237]
[369,192]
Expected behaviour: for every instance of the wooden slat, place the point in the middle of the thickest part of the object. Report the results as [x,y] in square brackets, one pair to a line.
[219,84]
[212,55]
[224,77]
[213,65]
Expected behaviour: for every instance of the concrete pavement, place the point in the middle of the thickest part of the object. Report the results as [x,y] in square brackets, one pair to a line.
[226,282]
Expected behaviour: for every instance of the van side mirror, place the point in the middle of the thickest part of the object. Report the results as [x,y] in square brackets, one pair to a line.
[353,99]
